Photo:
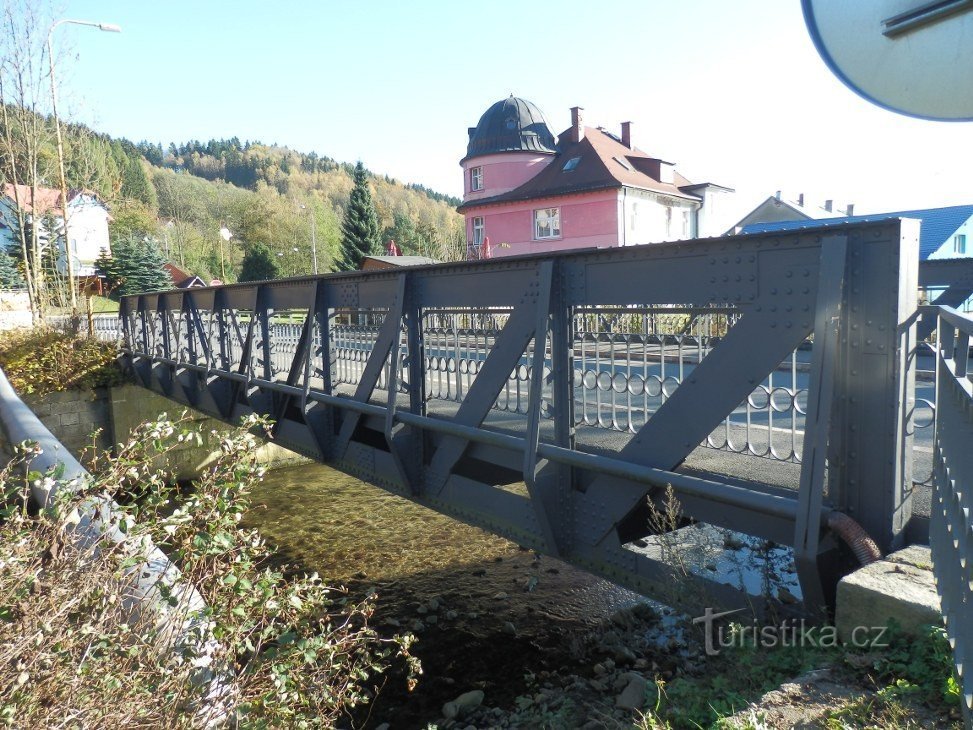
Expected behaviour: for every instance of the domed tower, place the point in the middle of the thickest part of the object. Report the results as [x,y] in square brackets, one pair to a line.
[510,145]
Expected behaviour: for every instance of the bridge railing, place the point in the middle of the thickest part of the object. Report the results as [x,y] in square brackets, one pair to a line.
[951,513]
[552,398]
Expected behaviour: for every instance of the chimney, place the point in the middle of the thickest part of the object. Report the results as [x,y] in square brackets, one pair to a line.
[828,205]
[627,134]
[777,195]
[850,210]
[800,200]
[577,124]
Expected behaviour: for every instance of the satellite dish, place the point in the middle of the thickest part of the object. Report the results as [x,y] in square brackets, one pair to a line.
[914,57]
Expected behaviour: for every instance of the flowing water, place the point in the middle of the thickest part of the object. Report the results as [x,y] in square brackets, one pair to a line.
[485,610]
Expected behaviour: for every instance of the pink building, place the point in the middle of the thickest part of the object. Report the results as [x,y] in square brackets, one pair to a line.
[524,192]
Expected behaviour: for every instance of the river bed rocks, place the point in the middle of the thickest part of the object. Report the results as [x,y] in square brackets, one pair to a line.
[563,674]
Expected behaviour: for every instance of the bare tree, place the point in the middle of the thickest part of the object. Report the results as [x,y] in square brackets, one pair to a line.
[26,140]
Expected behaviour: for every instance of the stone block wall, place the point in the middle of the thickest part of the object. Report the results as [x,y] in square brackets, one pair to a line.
[74,417]
[131,405]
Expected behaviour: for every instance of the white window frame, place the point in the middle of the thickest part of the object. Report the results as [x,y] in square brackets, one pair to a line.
[477,229]
[476,179]
[959,243]
[550,216]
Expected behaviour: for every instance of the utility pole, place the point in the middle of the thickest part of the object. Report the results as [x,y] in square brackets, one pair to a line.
[314,237]
[107,27]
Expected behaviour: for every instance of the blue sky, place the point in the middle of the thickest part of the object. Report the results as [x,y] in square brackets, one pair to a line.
[732,92]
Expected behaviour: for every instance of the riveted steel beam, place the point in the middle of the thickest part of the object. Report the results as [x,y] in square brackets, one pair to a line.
[573,502]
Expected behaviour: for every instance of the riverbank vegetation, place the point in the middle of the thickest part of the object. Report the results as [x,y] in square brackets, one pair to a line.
[271,648]
[43,360]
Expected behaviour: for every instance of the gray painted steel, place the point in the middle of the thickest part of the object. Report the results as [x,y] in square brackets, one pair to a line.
[950,524]
[452,384]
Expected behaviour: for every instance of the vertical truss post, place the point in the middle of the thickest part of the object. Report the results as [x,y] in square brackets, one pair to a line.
[416,353]
[325,317]
[220,389]
[870,445]
[191,380]
[541,491]
[128,341]
[144,368]
[562,397]
[807,529]
[263,315]
[166,373]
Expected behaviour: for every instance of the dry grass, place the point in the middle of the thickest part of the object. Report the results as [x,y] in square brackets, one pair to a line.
[266,651]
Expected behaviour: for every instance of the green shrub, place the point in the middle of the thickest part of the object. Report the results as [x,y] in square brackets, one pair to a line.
[43,360]
[292,652]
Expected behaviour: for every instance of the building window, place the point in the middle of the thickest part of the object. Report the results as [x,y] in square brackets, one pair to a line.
[477,231]
[547,223]
[476,178]
[959,243]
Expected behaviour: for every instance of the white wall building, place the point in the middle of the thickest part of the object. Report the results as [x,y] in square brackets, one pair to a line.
[87,223]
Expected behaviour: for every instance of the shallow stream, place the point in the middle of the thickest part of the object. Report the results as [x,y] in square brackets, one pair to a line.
[487,613]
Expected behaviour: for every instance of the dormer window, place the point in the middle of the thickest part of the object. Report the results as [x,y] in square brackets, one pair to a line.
[571,164]
[476,179]
[624,163]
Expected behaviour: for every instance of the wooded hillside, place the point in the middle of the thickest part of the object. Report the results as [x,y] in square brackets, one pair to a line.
[182,195]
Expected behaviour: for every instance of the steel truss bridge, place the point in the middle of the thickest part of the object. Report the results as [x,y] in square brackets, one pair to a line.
[552,399]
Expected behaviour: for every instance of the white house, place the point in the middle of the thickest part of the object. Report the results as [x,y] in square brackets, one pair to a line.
[777,209]
[87,222]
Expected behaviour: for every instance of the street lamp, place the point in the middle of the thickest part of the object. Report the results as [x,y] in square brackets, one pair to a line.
[109,28]
[314,236]
[225,236]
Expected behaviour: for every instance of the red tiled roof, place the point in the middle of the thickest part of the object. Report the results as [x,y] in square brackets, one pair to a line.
[46,200]
[599,167]
[175,273]
[182,279]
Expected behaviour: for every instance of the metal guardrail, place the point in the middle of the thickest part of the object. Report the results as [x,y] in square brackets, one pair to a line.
[587,377]
[951,514]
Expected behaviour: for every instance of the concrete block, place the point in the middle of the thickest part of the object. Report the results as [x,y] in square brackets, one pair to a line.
[52,422]
[72,435]
[40,407]
[900,587]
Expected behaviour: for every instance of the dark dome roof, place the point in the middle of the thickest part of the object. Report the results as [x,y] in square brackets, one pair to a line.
[510,125]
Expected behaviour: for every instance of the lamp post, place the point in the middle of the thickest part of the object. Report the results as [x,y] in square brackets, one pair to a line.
[225,236]
[314,236]
[109,28]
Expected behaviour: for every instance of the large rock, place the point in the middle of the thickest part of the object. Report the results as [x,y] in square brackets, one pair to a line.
[900,587]
[633,696]
[463,704]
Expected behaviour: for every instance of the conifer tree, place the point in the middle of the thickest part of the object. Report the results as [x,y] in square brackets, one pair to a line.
[134,267]
[10,278]
[259,264]
[360,230]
